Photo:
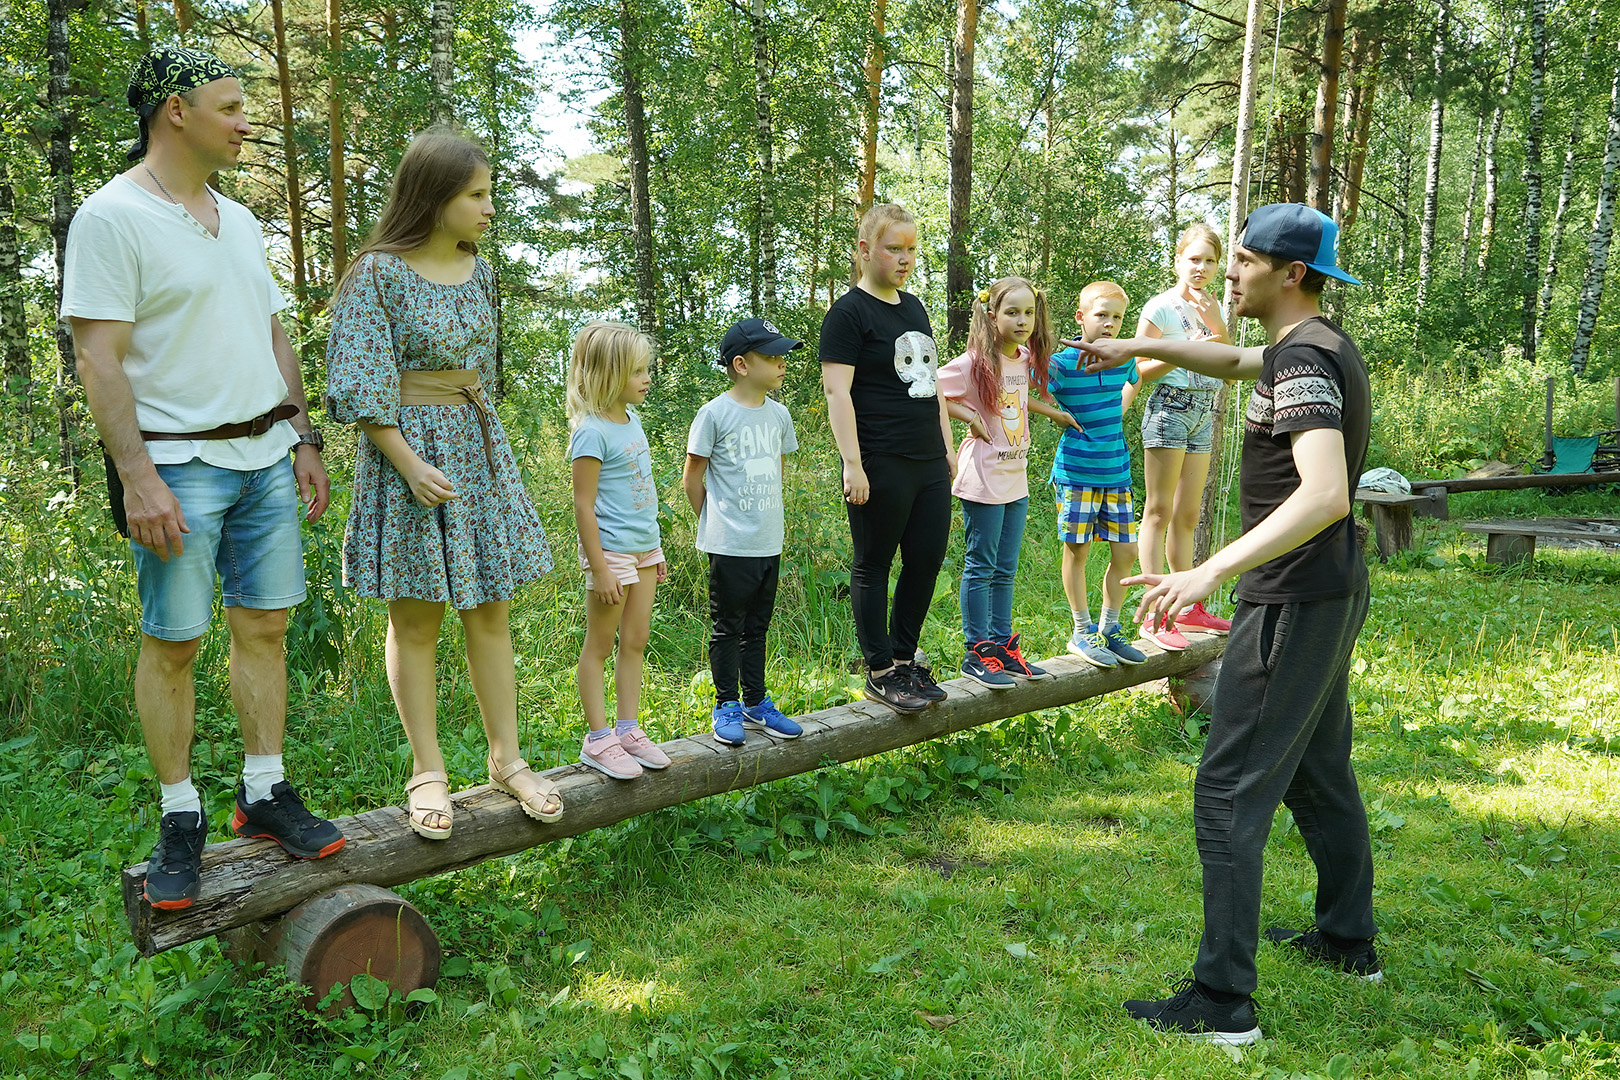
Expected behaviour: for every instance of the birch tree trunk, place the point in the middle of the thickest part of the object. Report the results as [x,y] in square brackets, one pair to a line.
[1566,188]
[334,134]
[289,153]
[874,98]
[765,213]
[1367,88]
[958,275]
[15,364]
[442,61]
[1532,174]
[1597,257]
[1493,167]
[1431,173]
[1473,194]
[59,159]
[635,124]
[1327,107]
[1173,196]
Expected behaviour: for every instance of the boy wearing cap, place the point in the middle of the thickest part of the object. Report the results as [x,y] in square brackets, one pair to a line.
[198,397]
[733,479]
[1281,724]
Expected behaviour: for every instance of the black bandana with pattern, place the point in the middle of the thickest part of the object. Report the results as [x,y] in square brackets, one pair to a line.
[168,69]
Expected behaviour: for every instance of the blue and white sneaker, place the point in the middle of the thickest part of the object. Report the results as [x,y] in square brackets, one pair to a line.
[1092,647]
[1124,650]
[768,718]
[729,720]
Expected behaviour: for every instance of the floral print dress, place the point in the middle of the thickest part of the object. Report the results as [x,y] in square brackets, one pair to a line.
[470,550]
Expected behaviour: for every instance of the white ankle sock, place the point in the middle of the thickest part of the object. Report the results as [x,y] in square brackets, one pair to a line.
[178,798]
[261,772]
[1082,618]
[1110,619]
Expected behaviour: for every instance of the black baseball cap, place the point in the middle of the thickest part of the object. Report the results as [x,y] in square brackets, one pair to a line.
[754,335]
[1298,233]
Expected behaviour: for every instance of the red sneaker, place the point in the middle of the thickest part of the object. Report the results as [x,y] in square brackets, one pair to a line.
[1167,637]
[1196,618]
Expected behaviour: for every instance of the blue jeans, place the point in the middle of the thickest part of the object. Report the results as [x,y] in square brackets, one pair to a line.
[994,533]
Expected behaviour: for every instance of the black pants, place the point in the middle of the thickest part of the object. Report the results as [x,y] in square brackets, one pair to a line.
[910,510]
[1280,732]
[742,594]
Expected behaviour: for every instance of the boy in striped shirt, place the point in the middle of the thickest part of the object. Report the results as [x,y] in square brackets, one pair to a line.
[1092,477]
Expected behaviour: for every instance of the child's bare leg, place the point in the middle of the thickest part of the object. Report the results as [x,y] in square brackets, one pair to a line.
[1161,473]
[634,630]
[1189,498]
[409,655]
[1074,574]
[601,630]
[1121,559]
[488,630]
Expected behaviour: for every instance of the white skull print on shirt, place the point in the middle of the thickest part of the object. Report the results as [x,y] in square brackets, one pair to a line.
[916,361]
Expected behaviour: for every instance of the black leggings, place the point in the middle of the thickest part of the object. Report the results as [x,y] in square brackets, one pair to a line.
[742,594]
[909,509]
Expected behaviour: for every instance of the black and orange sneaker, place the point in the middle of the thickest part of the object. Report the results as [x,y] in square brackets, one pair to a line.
[283,818]
[176,864]
[1013,662]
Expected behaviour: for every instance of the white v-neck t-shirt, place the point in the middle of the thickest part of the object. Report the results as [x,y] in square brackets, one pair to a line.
[200,353]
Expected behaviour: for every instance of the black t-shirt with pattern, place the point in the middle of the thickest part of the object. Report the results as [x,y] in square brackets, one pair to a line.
[1313,378]
[894,388]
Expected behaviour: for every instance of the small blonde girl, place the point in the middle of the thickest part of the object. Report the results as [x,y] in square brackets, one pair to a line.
[988,387]
[616,510]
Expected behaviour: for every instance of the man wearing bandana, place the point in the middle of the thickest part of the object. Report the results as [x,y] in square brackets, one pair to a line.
[198,398]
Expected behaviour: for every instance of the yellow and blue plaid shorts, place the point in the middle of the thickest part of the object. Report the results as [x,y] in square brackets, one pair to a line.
[1088,513]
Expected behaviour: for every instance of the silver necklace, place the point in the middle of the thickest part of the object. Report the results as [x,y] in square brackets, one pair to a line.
[171,198]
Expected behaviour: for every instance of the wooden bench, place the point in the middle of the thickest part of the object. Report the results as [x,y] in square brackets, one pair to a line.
[1433,492]
[1391,515]
[1510,542]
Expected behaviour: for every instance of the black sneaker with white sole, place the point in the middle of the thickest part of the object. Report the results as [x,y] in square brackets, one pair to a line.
[895,689]
[173,874]
[922,678]
[1358,958]
[1193,1014]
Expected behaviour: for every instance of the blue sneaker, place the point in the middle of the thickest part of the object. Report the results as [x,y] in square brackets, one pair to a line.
[1114,638]
[1092,647]
[983,666]
[768,718]
[728,724]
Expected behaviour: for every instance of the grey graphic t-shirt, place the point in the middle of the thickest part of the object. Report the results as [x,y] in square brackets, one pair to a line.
[742,507]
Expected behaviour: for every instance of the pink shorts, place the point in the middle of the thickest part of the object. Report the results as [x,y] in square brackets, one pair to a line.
[627,568]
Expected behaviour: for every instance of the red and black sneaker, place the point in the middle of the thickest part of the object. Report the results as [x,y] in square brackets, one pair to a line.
[283,818]
[176,865]
[1013,662]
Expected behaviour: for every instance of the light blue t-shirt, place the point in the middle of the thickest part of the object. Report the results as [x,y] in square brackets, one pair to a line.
[626,497]
[1095,456]
[742,502]
[1177,320]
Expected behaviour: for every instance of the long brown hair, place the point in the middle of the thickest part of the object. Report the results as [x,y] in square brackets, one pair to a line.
[984,351]
[437,165]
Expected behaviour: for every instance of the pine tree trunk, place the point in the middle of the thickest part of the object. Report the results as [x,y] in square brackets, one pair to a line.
[334,133]
[289,153]
[1327,107]
[1473,193]
[442,61]
[1566,188]
[1493,167]
[1431,173]
[874,98]
[59,159]
[1367,89]
[958,274]
[765,212]
[1597,258]
[1532,174]
[635,124]
[15,363]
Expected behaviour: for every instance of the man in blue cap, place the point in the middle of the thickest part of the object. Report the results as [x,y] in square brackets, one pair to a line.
[1281,724]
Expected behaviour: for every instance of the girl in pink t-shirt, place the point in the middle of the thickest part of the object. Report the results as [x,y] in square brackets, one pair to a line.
[987,387]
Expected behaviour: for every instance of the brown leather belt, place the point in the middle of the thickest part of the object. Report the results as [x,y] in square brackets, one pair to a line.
[256,426]
[456,387]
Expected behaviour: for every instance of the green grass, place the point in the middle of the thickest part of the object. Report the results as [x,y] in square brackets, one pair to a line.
[1014,884]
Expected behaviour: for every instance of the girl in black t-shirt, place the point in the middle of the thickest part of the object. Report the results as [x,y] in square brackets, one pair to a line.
[879,369]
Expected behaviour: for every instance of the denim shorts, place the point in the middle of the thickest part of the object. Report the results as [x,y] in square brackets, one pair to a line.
[244,532]
[1088,513]
[1177,419]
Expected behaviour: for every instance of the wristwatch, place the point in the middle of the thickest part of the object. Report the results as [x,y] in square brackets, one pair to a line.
[312,437]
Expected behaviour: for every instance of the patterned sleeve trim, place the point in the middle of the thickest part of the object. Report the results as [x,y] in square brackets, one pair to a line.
[1306,395]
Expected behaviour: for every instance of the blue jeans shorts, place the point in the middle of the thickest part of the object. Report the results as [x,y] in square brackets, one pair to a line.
[1177,419]
[244,532]
[1088,513]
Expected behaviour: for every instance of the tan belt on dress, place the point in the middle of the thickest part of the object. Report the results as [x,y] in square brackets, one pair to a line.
[457,387]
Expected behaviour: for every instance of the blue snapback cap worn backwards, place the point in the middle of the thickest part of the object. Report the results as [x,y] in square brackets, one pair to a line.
[1298,233]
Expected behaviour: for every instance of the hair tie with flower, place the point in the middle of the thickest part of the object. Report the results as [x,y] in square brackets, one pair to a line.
[984,296]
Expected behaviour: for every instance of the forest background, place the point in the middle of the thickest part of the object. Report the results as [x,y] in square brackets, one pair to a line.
[936,908]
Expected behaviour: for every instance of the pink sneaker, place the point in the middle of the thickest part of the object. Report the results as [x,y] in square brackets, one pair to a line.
[643,749]
[1168,638]
[607,756]
[1196,618]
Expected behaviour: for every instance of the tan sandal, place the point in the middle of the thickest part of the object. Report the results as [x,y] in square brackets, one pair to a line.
[419,812]
[543,801]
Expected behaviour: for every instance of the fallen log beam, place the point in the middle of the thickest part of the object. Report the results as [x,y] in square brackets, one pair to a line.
[249,881]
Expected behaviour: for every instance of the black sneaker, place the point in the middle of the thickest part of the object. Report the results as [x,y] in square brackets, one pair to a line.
[176,863]
[1194,1014]
[1361,960]
[1013,662]
[282,818]
[922,678]
[895,689]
